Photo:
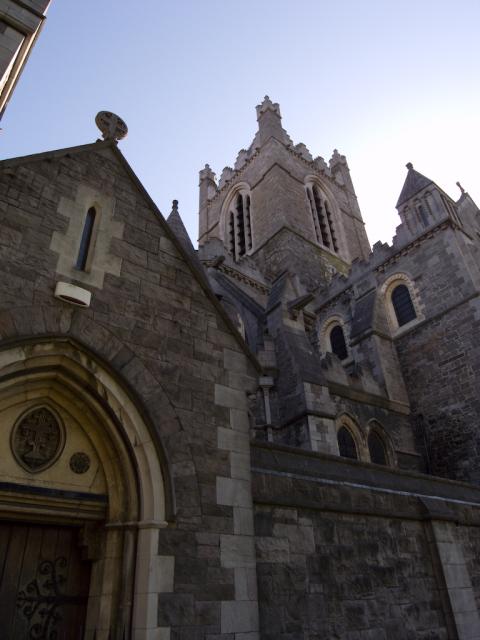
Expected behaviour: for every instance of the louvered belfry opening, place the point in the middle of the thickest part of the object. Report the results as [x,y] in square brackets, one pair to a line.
[322,218]
[239,226]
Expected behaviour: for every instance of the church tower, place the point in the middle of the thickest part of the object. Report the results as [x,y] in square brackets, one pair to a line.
[279,208]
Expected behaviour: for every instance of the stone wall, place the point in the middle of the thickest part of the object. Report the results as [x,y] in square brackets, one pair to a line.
[439,357]
[154,323]
[351,551]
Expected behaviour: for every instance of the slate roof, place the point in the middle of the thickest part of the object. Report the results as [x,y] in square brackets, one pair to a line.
[414,183]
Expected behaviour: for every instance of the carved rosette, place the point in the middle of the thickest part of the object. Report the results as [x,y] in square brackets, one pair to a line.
[37,439]
[80,462]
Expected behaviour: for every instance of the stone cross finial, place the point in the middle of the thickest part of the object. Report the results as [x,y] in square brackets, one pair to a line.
[111,125]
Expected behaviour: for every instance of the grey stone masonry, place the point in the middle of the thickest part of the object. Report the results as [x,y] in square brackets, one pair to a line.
[158,326]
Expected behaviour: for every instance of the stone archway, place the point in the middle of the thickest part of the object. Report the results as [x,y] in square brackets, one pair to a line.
[115,506]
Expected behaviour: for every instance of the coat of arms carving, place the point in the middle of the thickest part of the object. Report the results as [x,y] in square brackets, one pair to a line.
[37,439]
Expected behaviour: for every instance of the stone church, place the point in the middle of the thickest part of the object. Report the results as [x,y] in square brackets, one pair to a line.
[272,437]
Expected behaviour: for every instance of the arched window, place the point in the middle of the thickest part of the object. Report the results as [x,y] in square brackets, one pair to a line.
[86,239]
[422,214]
[403,305]
[239,225]
[337,342]
[376,448]
[322,218]
[346,444]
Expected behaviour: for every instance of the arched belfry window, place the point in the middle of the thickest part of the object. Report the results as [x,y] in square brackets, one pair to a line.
[422,214]
[86,239]
[337,342]
[322,218]
[403,305]
[239,225]
[377,449]
[346,444]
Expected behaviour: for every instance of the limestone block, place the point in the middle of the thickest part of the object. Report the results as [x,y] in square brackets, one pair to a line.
[456,576]
[450,553]
[164,572]
[230,440]
[468,625]
[243,521]
[462,600]
[245,584]
[239,617]
[228,397]
[240,465]
[234,361]
[239,420]
[233,493]
[237,551]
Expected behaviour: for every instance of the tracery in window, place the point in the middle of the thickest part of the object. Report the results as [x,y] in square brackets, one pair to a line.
[86,240]
[337,342]
[403,305]
[346,444]
[322,218]
[239,225]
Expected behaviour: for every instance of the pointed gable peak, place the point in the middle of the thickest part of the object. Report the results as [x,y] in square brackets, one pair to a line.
[175,223]
[414,182]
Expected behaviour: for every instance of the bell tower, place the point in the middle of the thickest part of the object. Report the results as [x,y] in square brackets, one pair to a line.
[280,208]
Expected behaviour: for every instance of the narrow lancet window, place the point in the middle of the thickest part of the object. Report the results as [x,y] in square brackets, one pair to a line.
[231,232]
[240,226]
[322,218]
[86,240]
[403,305]
[337,342]
[346,444]
[239,230]
[422,215]
[248,223]
[378,454]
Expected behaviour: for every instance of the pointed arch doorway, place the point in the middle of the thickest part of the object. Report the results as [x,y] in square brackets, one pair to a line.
[82,496]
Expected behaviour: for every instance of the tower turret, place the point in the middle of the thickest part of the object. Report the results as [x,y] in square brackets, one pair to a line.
[422,204]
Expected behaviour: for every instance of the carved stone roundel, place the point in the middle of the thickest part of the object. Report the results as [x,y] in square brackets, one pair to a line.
[80,462]
[37,439]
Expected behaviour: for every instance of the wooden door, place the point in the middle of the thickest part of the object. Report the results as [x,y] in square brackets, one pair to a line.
[44,583]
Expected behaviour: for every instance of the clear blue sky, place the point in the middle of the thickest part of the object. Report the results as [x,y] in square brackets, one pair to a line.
[385,82]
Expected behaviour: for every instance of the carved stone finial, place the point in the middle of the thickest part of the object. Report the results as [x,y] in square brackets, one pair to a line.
[460,187]
[207,174]
[111,126]
[409,165]
[268,105]
[337,158]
